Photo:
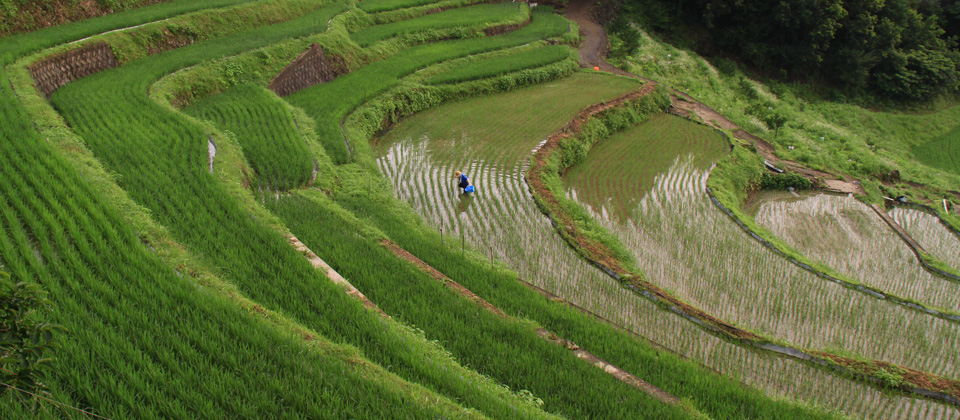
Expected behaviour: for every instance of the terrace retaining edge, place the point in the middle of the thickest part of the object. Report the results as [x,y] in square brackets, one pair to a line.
[914,246]
[332,274]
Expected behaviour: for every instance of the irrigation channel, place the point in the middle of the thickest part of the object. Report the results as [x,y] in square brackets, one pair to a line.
[491,139]
[850,237]
[930,232]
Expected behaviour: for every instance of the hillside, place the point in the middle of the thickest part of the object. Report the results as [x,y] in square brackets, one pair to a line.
[245,209]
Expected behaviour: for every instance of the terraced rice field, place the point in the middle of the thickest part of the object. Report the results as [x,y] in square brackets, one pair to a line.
[623,169]
[932,235]
[490,139]
[851,238]
[942,152]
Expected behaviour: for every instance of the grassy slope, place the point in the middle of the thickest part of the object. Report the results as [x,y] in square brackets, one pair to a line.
[942,152]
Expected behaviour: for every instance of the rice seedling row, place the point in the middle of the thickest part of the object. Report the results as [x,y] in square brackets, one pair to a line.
[195,354]
[161,157]
[849,237]
[472,16]
[932,235]
[418,156]
[329,103]
[505,349]
[501,64]
[265,130]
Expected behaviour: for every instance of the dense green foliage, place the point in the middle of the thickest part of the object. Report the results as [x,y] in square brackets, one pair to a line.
[265,130]
[784,181]
[27,15]
[26,341]
[942,152]
[501,64]
[886,48]
[373,6]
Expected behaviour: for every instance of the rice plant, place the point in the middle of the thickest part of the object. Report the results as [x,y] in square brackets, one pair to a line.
[472,16]
[418,157]
[502,64]
[932,235]
[849,237]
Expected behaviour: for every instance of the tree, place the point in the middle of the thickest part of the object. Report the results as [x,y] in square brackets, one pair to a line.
[25,341]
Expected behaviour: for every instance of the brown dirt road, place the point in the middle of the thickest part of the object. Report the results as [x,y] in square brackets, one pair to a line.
[593,48]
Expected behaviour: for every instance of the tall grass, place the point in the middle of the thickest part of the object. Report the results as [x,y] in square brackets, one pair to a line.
[265,130]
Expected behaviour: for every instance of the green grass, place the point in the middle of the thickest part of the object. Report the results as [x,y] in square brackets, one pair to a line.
[265,129]
[502,64]
[329,103]
[942,152]
[471,16]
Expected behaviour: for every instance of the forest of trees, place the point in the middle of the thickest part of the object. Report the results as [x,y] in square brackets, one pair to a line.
[902,50]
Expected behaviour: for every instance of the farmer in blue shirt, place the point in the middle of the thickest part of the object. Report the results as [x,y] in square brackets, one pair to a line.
[463,182]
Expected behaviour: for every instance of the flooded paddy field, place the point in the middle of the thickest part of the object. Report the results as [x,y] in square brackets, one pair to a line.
[849,237]
[932,235]
[684,244]
[491,139]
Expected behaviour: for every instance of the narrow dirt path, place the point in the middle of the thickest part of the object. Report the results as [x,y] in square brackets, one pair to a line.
[593,48]
[622,375]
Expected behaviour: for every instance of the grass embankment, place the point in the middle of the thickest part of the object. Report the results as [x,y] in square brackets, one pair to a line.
[329,103]
[595,248]
[145,341]
[160,158]
[266,132]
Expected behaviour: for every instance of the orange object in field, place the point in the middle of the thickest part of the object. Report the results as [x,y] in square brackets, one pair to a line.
[597,68]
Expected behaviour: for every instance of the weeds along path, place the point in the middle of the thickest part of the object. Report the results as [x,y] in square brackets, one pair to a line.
[851,238]
[582,354]
[161,155]
[145,341]
[489,138]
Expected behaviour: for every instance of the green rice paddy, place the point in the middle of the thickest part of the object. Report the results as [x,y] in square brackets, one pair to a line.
[172,270]
[942,152]
[488,138]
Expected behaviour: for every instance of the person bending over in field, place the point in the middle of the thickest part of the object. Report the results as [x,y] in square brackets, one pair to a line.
[463,182]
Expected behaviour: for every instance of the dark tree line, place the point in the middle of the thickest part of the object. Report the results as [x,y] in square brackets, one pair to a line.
[903,50]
